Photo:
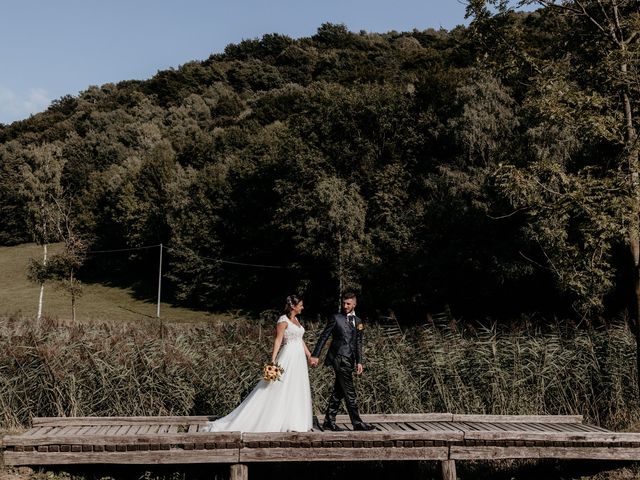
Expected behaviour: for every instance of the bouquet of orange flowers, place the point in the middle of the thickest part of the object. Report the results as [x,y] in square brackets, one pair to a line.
[272,371]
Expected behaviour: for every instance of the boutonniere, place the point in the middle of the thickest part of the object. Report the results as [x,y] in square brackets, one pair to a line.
[360,326]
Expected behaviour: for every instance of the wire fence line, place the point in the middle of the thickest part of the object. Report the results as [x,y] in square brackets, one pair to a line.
[170,249]
[163,248]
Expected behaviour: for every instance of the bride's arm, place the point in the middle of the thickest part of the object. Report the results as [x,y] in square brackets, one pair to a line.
[277,342]
[306,350]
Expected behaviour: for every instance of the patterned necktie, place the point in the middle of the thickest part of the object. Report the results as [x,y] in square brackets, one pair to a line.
[352,320]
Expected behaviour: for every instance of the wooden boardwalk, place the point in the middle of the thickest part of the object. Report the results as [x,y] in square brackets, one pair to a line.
[442,437]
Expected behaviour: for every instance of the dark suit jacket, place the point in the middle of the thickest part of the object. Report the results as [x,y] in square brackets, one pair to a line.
[346,339]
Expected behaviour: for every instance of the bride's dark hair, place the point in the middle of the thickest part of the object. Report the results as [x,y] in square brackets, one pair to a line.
[291,301]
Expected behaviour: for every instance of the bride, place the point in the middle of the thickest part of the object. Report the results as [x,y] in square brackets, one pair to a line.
[284,405]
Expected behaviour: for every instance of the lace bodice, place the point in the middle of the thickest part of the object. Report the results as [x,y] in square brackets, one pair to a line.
[293,332]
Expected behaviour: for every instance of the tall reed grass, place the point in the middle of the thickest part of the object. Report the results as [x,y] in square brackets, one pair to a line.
[52,369]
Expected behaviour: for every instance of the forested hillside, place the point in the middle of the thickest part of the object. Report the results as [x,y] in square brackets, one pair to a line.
[483,169]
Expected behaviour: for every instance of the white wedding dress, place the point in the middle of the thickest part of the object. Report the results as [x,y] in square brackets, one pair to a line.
[279,406]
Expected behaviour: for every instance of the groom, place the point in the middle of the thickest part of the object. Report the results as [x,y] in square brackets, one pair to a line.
[345,355]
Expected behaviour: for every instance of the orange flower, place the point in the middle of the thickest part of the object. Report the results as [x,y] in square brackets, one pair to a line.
[272,371]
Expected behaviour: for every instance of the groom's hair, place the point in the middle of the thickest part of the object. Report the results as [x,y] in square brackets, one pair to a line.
[348,295]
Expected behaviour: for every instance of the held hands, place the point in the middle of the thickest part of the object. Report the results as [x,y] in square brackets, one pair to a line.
[313,361]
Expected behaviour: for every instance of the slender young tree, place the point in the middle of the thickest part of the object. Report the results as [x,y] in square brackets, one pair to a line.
[41,189]
[64,266]
[333,230]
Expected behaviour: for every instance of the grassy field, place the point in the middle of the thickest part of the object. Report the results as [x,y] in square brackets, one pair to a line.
[97,303]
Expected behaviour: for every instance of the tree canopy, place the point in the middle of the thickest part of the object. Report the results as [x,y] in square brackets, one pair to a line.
[487,170]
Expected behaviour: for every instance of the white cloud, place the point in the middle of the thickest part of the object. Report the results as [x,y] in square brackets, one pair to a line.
[19,105]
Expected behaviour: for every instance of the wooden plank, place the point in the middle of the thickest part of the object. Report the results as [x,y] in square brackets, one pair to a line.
[440,426]
[411,427]
[299,437]
[173,428]
[160,429]
[318,454]
[143,430]
[42,431]
[574,428]
[429,426]
[113,429]
[173,456]
[342,454]
[551,427]
[53,421]
[179,438]
[555,437]
[399,417]
[505,427]
[494,453]
[518,418]
[498,427]
[418,427]
[537,427]
[136,429]
[63,430]
[567,427]
[406,417]
[585,428]
[594,428]
[449,426]
[494,427]
[470,427]
[401,427]
[193,428]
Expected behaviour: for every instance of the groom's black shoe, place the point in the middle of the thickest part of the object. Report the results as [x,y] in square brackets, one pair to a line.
[332,427]
[364,427]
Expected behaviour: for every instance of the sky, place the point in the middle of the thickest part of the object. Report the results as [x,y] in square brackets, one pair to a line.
[52,48]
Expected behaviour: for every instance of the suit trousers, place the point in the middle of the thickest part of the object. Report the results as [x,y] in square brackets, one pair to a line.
[343,388]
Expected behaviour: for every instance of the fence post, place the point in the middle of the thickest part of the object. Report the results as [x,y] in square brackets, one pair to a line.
[159,282]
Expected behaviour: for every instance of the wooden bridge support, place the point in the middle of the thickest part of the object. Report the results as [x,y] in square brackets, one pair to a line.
[448,469]
[442,437]
[239,471]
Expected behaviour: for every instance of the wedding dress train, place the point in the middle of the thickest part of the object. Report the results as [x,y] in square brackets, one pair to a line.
[279,406]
